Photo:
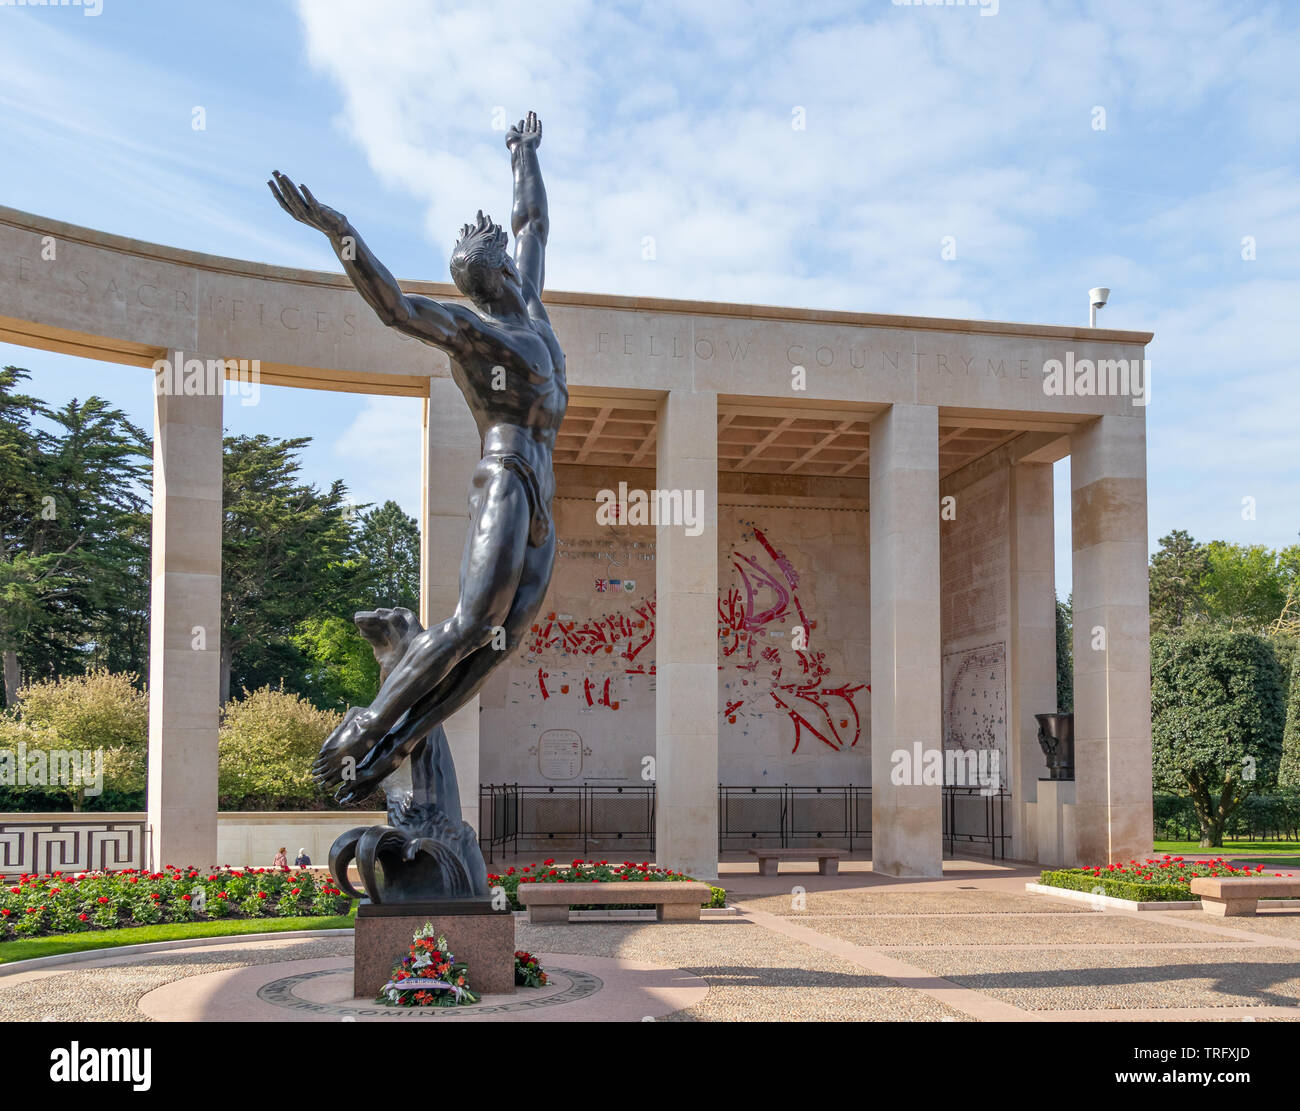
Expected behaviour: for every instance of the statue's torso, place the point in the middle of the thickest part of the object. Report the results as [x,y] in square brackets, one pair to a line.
[522,417]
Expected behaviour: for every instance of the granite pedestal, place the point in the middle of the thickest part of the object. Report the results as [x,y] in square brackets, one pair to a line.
[477,935]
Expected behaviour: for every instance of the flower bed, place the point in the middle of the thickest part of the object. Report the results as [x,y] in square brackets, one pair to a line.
[1153,880]
[70,902]
[592,871]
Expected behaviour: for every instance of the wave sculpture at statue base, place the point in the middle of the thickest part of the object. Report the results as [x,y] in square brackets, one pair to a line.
[426,851]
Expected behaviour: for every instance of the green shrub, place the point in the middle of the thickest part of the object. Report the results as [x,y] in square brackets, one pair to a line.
[265,751]
[98,712]
[1076,880]
[1151,880]
[1272,816]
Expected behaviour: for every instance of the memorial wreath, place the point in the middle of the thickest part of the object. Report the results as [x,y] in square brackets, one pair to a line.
[429,976]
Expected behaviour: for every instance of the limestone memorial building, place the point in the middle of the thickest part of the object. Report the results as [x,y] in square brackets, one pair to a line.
[805,576]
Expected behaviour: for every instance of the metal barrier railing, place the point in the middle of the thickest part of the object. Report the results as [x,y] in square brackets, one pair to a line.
[517,818]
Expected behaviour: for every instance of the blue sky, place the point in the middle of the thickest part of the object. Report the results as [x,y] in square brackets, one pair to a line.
[675,122]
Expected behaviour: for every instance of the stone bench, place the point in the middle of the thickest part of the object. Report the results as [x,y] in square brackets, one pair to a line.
[673,901]
[769,860]
[1232,896]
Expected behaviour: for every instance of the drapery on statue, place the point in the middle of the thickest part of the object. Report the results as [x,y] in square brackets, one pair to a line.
[508,364]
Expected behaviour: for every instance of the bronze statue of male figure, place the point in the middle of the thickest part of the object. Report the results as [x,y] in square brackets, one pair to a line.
[508,364]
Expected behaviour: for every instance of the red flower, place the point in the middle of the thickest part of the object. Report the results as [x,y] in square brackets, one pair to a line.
[82,917]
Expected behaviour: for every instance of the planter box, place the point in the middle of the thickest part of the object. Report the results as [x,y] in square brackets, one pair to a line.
[1109,901]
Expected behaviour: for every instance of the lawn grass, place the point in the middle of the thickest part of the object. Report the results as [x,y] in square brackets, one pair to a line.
[1230,848]
[24,948]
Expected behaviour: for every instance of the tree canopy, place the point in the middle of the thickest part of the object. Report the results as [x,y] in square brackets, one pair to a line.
[74,537]
[1217,714]
[297,561]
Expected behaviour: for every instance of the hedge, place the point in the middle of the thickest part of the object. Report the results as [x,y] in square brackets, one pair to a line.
[1274,816]
[1163,879]
[1289,773]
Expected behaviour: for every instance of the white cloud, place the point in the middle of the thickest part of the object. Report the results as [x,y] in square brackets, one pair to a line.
[381,448]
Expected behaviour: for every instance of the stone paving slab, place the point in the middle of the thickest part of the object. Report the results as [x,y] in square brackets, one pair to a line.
[896,902]
[1277,923]
[1100,977]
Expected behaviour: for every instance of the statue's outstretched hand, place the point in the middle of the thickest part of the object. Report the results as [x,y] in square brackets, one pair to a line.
[298,202]
[526,133]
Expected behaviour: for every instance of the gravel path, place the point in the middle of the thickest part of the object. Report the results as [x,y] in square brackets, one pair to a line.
[110,993]
[753,974]
[1029,952]
[1116,978]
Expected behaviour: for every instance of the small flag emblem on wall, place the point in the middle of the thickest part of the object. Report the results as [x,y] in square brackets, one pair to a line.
[600,586]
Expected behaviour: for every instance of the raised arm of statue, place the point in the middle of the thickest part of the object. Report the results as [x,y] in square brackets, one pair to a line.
[421,317]
[529,219]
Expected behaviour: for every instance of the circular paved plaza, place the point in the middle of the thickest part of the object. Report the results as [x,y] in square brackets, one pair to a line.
[972,947]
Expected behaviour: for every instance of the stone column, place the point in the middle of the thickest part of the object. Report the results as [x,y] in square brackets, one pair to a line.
[1032,678]
[1112,663]
[686,640]
[451,450]
[906,707]
[185,618]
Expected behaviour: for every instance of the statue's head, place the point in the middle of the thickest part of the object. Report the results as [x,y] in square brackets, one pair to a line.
[481,265]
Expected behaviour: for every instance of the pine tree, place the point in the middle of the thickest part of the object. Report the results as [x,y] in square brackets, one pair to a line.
[1065,655]
[286,557]
[388,546]
[73,536]
[1177,572]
